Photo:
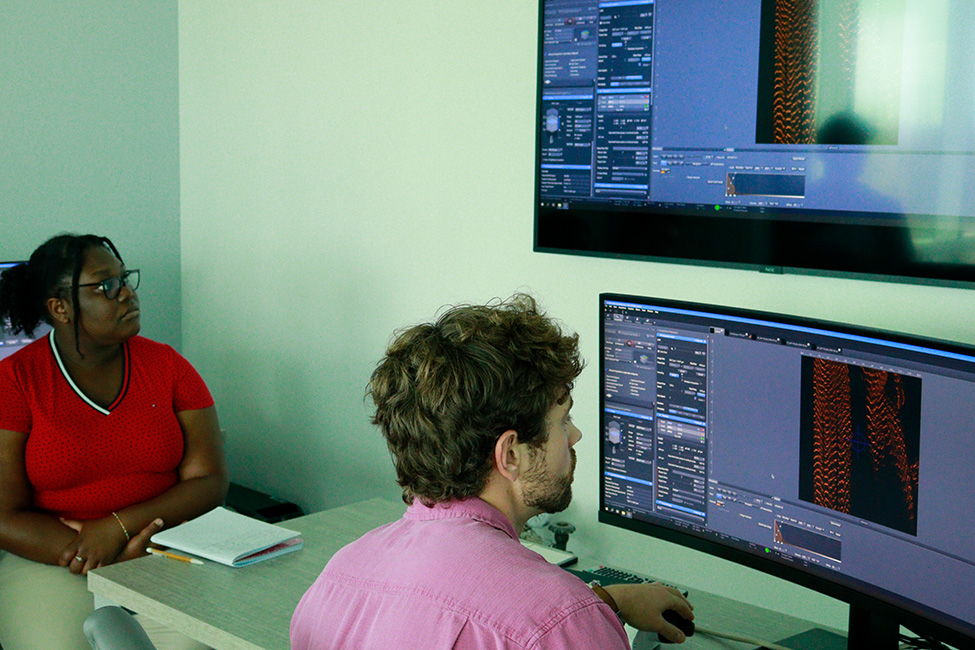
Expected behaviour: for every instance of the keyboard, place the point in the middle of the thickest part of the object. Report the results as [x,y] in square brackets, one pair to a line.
[607,575]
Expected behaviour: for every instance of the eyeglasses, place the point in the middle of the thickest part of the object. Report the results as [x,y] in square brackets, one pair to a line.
[113,286]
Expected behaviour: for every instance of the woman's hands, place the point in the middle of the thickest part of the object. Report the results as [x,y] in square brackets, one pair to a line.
[137,546]
[101,542]
[97,543]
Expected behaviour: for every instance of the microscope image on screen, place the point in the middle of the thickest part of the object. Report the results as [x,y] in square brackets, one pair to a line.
[818,57]
[859,442]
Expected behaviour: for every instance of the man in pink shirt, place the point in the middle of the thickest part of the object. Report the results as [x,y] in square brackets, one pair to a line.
[475,411]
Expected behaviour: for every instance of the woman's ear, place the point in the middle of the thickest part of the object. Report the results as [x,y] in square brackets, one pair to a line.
[60,310]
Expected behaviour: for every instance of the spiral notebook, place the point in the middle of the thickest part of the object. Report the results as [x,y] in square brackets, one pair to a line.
[230,538]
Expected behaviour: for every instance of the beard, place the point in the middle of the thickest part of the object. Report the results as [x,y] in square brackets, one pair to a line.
[549,493]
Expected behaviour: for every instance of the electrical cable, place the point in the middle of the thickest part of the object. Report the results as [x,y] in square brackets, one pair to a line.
[739,637]
[906,642]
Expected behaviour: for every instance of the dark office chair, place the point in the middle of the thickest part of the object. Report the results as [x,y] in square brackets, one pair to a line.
[113,628]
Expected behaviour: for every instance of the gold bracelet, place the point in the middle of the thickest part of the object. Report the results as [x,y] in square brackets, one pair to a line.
[124,529]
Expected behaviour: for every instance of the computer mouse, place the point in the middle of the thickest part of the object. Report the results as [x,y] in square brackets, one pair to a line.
[685,626]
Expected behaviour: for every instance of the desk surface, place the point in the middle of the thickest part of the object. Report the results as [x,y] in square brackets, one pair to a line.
[239,608]
[732,617]
[250,608]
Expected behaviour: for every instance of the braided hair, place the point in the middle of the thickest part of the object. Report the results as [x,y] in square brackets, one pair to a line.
[25,288]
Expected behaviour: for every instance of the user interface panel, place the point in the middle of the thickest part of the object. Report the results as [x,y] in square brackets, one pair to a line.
[845,454]
[753,105]
[831,135]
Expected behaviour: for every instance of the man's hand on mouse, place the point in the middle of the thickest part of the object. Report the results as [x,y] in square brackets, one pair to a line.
[684,625]
[643,607]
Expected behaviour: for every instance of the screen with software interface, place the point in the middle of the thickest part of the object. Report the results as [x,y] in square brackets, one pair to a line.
[10,342]
[841,452]
[852,115]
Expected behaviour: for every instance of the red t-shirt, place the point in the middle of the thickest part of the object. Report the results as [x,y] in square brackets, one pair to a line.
[85,461]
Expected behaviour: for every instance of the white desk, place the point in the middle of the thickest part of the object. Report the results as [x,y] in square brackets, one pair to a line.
[730,616]
[242,608]
[250,608]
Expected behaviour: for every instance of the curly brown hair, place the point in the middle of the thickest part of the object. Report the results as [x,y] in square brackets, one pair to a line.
[446,391]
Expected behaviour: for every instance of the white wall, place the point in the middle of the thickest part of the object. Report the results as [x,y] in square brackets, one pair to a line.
[349,168]
[89,137]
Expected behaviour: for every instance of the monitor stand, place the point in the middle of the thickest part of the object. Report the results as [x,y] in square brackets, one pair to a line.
[815,639]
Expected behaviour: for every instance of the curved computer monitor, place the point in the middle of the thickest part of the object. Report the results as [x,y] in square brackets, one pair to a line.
[10,342]
[837,457]
[830,137]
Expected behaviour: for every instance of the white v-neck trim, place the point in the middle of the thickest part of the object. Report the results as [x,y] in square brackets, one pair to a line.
[74,387]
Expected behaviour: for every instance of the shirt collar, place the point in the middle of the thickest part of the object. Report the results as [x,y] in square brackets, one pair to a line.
[469,508]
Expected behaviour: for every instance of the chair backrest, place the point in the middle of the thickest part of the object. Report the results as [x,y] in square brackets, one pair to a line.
[113,628]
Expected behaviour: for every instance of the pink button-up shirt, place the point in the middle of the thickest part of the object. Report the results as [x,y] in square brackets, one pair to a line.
[453,576]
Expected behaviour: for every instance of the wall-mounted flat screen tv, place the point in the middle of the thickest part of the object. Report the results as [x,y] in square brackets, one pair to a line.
[829,137]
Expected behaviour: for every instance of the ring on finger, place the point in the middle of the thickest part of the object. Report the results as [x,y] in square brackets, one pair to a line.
[79,558]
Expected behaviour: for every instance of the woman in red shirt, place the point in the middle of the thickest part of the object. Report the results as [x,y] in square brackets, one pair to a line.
[105,437]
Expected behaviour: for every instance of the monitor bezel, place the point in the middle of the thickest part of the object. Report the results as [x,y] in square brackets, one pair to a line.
[863,605]
[768,240]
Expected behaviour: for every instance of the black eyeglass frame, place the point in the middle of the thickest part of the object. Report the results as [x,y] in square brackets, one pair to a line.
[112,287]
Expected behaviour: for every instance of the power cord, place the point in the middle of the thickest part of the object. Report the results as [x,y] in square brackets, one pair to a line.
[739,637]
[906,642]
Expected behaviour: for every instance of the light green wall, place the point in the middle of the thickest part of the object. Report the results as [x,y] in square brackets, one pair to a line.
[349,168]
[89,136]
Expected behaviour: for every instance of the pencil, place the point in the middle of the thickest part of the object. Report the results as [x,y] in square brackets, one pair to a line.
[173,556]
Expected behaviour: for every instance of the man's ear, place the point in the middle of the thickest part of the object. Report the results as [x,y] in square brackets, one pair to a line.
[508,455]
[60,310]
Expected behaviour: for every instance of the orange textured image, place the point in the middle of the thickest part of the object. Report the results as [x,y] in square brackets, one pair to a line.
[832,432]
[859,444]
[885,399]
[796,54]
